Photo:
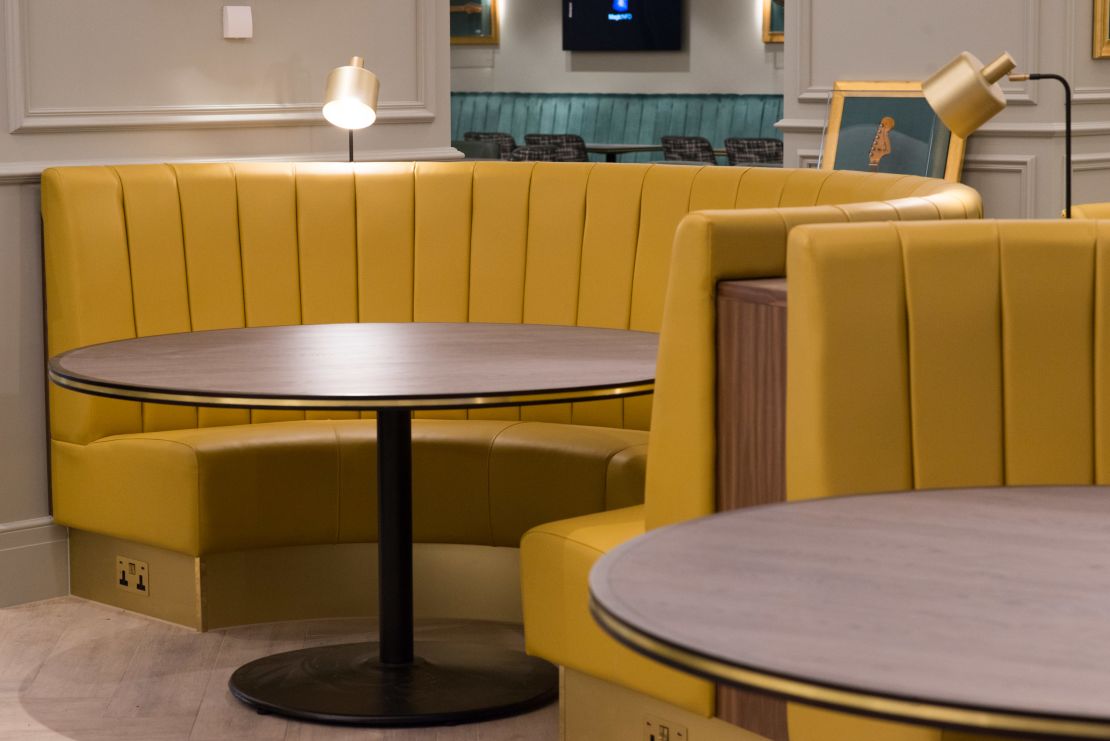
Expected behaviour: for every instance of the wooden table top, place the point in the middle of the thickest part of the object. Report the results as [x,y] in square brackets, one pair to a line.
[367,366]
[973,608]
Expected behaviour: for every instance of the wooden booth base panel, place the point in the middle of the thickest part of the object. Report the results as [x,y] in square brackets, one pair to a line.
[296,583]
[592,709]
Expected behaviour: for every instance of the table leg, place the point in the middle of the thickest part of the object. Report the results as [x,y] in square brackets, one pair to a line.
[395,535]
[395,682]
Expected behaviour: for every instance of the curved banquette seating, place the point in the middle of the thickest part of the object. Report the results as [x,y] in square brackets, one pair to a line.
[140,250]
[710,246]
[945,355]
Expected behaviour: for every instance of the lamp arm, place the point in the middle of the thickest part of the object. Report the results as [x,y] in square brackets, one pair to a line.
[1067,130]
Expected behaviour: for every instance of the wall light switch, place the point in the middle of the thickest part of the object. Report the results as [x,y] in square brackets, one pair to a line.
[237,22]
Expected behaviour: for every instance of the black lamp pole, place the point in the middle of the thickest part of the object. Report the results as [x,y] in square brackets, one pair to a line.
[351,148]
[1067,128]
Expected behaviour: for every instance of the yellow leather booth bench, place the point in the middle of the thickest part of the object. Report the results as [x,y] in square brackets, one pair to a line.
[681,473]
[928,356]
[252,515]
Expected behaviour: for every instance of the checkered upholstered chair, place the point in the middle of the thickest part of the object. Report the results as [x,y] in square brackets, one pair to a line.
[688,149]
[568,147]
[535,153]
[505,142]
[753,151]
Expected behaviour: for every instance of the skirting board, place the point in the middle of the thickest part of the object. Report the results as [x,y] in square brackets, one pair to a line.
[34,561]
[297,583]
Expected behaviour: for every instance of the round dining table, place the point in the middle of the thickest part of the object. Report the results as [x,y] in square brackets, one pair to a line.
[392,369]
[979,609]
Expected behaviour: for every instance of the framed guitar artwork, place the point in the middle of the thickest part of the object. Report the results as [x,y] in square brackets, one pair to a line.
[474,22]
[1101,48]
[773,21]
[888,126]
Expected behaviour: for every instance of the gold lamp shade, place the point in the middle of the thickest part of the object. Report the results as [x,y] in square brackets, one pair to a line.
[351,96]
[965,94]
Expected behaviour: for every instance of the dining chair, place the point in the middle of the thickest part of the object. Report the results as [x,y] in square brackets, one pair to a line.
[753,151]
[689,149]
[535,153]
[568,147]
[505,142]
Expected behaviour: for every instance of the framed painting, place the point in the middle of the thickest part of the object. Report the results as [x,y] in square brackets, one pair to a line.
[773,21]
[1101,48]
[889,127]
[474,22]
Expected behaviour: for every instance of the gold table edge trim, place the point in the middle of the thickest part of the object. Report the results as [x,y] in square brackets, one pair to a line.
[447,402]
[842,699]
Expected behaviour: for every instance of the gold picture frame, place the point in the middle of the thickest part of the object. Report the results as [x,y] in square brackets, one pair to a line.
[904,132]
[484,30]
[1101,27]
[773,31]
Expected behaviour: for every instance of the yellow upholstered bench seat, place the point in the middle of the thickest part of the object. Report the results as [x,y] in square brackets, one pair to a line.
[556,559]
[310,482]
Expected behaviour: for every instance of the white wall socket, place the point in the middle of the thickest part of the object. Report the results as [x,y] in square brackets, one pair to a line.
[238,23]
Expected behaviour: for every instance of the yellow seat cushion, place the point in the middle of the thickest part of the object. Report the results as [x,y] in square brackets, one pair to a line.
[556,559]
[214,489]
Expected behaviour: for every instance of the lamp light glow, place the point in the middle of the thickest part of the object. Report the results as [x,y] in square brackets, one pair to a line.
[965,93]
[349,113]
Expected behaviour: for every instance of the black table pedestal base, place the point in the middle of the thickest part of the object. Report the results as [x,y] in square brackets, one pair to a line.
[447,683]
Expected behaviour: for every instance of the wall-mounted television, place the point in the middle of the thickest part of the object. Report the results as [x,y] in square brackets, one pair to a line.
[622,25]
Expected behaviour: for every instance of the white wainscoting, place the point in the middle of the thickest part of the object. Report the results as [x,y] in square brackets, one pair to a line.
[25,117]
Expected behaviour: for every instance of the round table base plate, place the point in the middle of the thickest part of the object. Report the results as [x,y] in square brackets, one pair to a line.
[447,683]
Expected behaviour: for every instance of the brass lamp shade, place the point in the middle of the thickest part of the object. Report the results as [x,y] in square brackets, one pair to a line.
[965,94]
[351,96]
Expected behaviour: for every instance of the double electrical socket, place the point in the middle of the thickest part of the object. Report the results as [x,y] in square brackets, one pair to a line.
[132,576]
[659,729]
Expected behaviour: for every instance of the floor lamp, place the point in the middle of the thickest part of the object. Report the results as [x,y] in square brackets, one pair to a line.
[351,100]
[1067,128]
[965,94]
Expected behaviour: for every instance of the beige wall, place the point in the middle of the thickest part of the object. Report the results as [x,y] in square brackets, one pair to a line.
[151,81]
[1017,159]
[723,53]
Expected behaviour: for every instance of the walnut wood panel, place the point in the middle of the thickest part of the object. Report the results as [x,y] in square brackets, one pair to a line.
[967,608]
[751,437]
[368,366]
[751,393]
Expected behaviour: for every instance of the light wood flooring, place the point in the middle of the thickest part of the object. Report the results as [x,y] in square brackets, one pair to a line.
[74,669]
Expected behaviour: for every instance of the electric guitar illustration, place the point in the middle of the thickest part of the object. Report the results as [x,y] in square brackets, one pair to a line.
[881,146]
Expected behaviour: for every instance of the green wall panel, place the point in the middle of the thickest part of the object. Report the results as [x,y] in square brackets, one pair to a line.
[617,118]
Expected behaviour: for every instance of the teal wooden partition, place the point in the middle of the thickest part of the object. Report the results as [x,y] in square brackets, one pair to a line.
[617,118]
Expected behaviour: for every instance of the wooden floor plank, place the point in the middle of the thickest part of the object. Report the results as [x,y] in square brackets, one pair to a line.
[27,636]
[168,674]
[221,716]
[91,655]
[76,670]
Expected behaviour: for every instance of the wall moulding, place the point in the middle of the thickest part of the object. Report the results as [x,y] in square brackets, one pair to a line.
[25,118]
[1027,57]
[1021,165]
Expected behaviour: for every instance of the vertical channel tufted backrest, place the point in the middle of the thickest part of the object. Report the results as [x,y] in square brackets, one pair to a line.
[149,249]
[948,354]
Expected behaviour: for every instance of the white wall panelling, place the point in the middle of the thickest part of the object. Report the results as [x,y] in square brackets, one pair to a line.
[407,100]
[1008,183]
[723,53]
[1015,160]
